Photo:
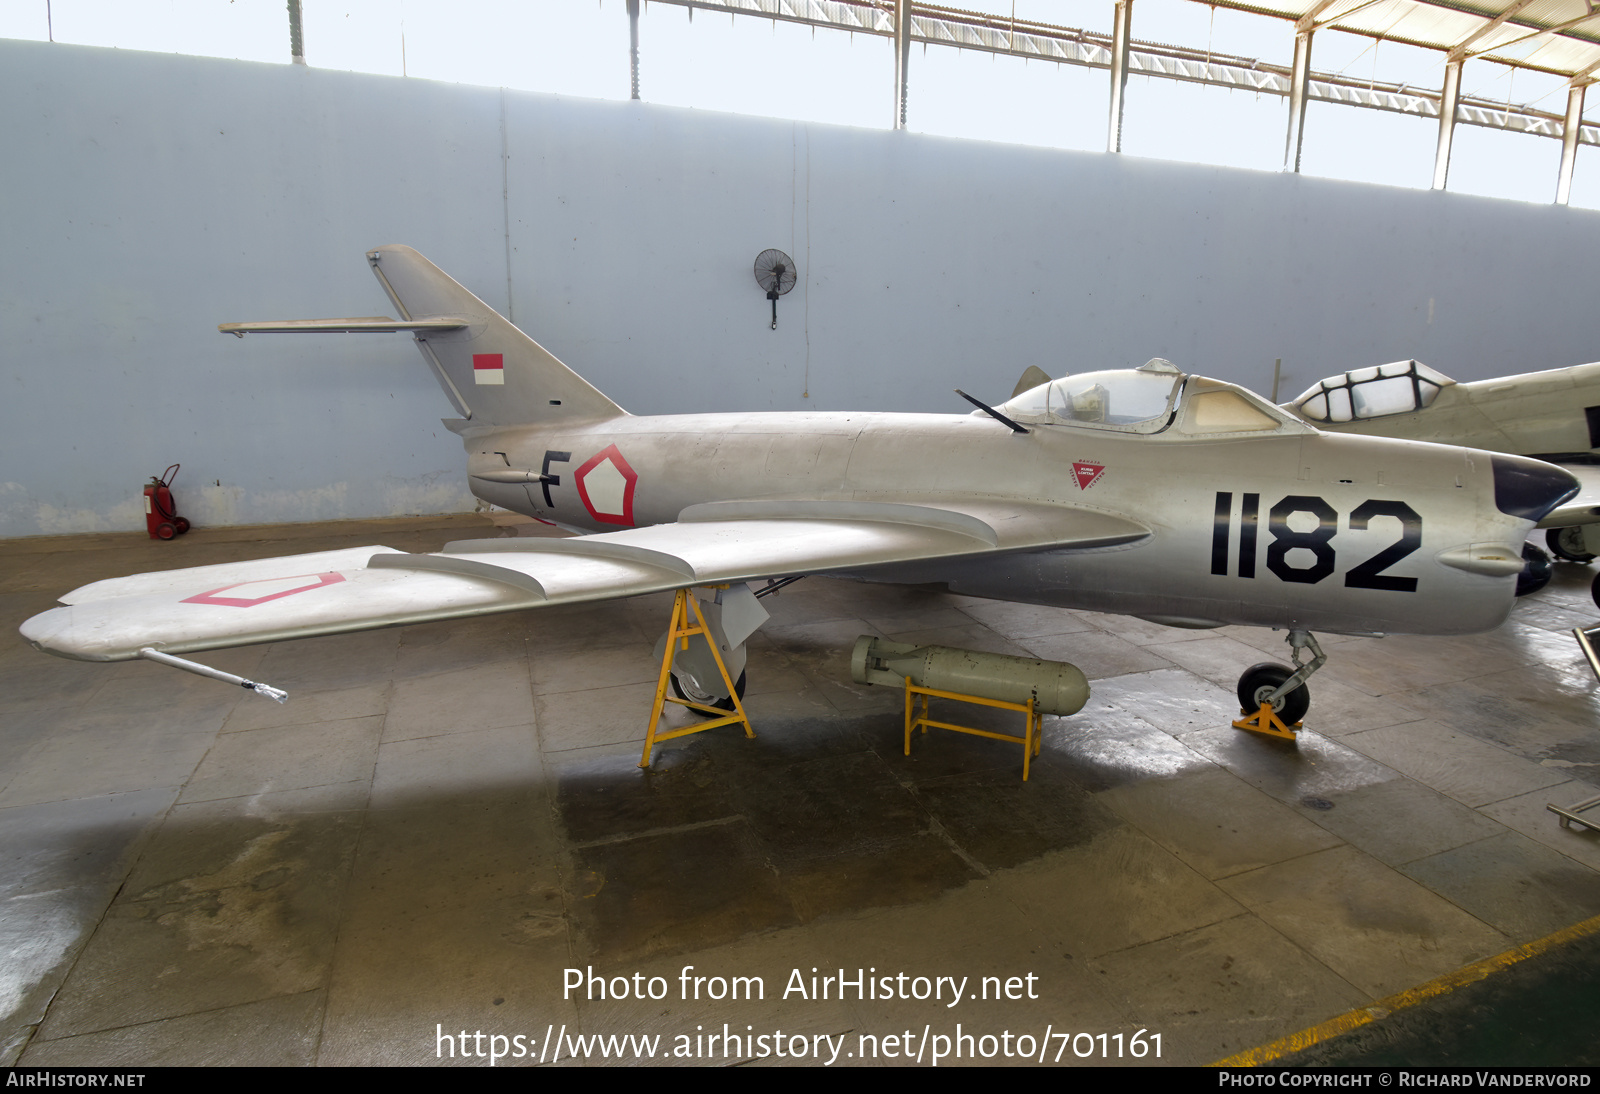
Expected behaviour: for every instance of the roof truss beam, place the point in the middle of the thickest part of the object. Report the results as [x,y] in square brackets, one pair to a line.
[1461,52]
[1090,49]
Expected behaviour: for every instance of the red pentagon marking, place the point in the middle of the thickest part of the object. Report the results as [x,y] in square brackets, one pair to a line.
[1085,474]
[274,590]
[605,483]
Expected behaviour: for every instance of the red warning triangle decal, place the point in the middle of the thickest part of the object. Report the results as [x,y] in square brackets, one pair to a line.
[1086,473]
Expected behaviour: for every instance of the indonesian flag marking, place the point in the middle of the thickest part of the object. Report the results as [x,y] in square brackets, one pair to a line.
[488,368]
[265,589]
[1085,474]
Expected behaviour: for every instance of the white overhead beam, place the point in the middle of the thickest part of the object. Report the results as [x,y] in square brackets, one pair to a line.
[1572,126]
[1449,101]
[1533,32]
[1459,51]
[1299,87]
[1316,19]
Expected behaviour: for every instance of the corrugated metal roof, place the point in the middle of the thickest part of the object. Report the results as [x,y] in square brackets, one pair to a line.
[1557,36]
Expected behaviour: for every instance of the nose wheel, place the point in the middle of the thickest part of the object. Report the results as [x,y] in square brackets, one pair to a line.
[1274,698]
[1261,682]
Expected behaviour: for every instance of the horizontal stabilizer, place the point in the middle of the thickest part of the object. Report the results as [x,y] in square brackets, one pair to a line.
[372,324]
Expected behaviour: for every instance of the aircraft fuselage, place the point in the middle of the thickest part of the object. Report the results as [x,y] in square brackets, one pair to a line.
[1305,530]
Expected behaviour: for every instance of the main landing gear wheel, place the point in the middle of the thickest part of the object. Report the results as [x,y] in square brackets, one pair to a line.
[687,688]
[1260,681]
[1536,570]
[1568,544]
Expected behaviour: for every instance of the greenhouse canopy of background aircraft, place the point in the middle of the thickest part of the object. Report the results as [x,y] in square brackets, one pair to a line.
[1144,492]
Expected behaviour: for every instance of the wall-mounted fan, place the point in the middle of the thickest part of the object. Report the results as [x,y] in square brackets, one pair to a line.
[776,275]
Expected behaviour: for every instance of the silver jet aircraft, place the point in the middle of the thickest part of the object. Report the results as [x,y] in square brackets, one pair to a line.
[1145,492]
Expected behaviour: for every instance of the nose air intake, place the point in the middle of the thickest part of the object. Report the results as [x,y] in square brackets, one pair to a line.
[1529,488]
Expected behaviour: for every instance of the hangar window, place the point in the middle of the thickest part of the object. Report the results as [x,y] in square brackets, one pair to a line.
[1403,387]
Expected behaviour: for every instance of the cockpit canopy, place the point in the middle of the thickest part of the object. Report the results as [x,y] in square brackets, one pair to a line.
[1134,400]
[1147,399]
[1402,387]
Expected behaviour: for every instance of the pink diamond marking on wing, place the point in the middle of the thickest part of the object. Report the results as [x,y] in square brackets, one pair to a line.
[265,589]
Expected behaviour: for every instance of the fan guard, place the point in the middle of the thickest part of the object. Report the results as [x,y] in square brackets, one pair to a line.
[775,273]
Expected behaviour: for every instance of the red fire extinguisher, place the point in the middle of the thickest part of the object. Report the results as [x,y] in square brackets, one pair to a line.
[161,518]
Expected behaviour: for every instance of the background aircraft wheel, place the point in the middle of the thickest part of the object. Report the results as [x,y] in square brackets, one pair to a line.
[1568,543]
[166,530]
[1594,590]
[688,688]
[1536,570]
[1261,680]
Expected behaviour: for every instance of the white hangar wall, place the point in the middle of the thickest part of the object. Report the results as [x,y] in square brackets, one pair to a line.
[149,197]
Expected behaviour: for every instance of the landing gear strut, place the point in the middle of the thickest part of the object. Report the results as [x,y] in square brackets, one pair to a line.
[1273,697]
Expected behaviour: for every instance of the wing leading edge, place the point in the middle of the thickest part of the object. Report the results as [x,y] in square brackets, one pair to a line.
[332,592]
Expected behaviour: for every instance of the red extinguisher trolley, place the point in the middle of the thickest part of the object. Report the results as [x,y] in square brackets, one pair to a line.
[161,518]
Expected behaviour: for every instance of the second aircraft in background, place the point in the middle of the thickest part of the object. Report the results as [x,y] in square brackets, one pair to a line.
[1553,416]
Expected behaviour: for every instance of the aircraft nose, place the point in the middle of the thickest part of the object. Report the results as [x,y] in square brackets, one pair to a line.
[1529,488]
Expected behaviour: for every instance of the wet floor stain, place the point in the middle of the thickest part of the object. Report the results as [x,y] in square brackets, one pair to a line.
[737,838]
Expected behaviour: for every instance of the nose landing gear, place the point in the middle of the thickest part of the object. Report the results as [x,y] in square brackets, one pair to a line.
[1273,697]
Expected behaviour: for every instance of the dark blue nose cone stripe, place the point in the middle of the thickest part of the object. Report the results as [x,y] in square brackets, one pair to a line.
[1530,488]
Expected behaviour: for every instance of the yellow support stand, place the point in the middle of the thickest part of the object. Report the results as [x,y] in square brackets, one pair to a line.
[680,632]
[1267,723]
[1031,740]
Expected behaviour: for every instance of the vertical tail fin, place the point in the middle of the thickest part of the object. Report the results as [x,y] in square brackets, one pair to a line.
[492,371]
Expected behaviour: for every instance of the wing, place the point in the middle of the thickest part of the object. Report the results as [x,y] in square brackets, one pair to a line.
[331,592]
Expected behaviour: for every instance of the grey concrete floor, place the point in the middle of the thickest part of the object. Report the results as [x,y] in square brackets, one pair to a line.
[446,818]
